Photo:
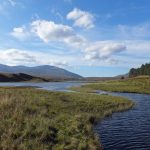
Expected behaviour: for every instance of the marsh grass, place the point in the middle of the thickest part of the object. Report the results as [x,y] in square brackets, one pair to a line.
[32,119]
[132,85]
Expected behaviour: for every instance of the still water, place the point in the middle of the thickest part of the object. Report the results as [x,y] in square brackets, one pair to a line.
[129,130]
[52,86]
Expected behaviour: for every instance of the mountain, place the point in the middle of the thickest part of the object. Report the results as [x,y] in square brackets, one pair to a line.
[45,71]
[21,77]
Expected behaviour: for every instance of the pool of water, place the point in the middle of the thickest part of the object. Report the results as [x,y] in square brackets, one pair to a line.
[129,130]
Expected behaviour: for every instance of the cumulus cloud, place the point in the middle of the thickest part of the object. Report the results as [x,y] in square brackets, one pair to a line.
[50,31]
[135,53]
[81,18]
[14,56]
[23,57]
[58,63]
[20,33]
[103,50]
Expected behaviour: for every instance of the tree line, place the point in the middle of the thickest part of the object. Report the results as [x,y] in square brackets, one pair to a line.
[143,70]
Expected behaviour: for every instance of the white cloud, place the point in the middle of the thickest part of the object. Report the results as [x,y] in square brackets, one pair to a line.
[50,31]
[95,54]
[138,46]
[112,61]
[15,57]
[81,18]
[59,63]
[24,57]
[121,53]
[86,52]
[20,33]
[103,50]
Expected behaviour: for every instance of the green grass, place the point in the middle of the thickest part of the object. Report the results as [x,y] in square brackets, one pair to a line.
[32,119]
[132,85]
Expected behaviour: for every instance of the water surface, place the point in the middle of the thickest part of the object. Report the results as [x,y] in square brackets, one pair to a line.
[51,86]
[129,130]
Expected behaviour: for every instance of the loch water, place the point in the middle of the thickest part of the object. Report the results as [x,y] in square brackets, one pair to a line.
[129,130]
[51,86]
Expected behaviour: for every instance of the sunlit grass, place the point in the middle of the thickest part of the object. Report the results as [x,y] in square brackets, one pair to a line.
[133,85]
[41,120]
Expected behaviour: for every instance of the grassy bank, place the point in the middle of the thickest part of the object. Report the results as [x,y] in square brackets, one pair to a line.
[131,85]
[34,119]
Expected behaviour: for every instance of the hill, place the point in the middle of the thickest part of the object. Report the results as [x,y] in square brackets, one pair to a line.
[45,71]
[21,77]
[143,70]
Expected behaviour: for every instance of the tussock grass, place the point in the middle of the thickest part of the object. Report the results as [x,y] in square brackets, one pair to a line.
[139,84]
[32,119]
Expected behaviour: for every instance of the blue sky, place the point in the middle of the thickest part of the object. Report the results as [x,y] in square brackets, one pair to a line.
[91,38]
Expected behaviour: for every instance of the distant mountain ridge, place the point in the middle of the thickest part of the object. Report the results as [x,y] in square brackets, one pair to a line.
[45,71]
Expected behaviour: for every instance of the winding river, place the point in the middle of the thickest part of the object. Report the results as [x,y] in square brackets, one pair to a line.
[51,86]
[129,130]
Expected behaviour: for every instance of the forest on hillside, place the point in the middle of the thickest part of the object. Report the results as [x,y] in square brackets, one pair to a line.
[143,70]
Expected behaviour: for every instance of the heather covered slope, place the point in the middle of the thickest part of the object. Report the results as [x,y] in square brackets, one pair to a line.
[20,77]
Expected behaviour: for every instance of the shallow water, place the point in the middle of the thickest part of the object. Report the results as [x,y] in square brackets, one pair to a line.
[52,86]
[129,130]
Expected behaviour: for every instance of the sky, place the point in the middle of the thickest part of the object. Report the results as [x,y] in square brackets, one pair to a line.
[91,38]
